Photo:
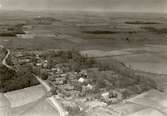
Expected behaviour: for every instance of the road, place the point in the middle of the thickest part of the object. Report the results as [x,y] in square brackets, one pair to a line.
[51,99]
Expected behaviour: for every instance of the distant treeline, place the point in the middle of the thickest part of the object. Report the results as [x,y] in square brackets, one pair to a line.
[156,30]
[11,30]
[98,32]
[141,22]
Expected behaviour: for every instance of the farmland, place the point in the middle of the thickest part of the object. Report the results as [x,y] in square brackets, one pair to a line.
[107,35]
[86,54]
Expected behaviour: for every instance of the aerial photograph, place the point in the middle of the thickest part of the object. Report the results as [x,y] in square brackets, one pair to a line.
[83,57]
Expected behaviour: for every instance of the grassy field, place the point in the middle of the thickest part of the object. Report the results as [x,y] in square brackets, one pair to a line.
[83,30]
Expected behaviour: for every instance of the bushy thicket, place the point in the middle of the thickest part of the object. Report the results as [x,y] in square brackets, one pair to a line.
[124,81]
[72,59]
[11,80]
[11,30]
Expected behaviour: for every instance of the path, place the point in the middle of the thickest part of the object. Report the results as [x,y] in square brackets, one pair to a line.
[51,99]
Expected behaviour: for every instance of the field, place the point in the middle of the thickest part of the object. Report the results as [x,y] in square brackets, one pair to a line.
[137,39]
[131,50]
[81,30]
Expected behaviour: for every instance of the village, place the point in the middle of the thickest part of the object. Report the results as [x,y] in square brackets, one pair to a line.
[82,64]
[67,83]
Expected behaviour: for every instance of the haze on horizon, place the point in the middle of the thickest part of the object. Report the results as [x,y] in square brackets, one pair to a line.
[94,5]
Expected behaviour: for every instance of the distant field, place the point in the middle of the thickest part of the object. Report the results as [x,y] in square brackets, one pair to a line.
[93,31]
[141,22]
[39,43]
[104,35]
[150,58]
[82,30]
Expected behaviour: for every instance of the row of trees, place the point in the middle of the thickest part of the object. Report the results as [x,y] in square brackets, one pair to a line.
[12,30]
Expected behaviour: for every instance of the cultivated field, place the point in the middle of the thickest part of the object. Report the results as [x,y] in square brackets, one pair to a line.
[137,40]
[81,30]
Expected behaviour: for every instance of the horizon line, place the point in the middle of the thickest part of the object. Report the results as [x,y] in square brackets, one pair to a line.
[81,10]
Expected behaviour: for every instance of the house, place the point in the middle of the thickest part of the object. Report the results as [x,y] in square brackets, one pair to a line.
[81,80]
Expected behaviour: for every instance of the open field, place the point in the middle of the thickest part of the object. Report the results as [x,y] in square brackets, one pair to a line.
[82,30]
[137,40]
[25,96]
[150,58]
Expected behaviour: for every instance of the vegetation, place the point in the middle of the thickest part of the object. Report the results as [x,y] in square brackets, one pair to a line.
[7,34]
[11,30]
[110,76]
[45,20]
[99,32]
[71,59]
[156,30]
[115,81]
[11,80]
[141,22]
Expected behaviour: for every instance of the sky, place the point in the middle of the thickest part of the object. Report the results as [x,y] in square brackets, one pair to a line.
[99,5]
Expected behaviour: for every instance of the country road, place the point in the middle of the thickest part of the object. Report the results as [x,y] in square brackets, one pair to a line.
[51,99]
[4,60]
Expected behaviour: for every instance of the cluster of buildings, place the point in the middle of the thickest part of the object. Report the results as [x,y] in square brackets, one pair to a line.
[80,84]
[70,84]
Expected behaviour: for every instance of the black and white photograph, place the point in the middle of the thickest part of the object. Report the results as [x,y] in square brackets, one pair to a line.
[83,57]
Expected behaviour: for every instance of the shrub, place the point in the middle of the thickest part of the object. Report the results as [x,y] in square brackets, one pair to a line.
[110,80]
[11,80]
